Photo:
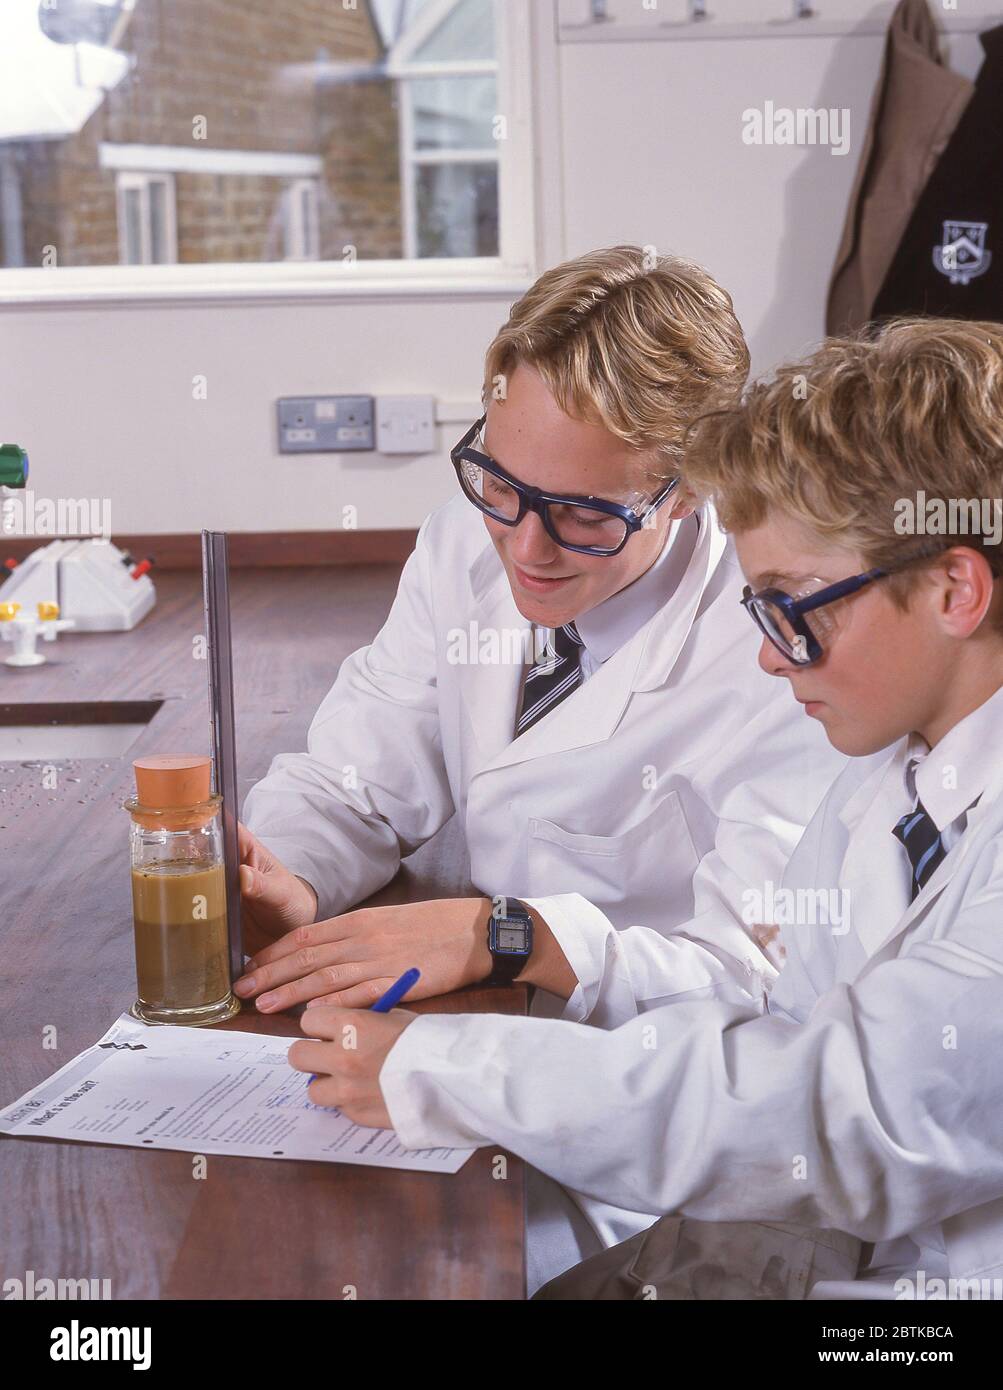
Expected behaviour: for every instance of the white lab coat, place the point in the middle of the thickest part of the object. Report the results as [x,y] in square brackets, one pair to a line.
[677,753]
[673,778]
[866,1097]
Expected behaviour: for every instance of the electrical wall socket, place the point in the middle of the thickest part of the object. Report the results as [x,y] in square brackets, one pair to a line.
[405,424]
[325,424]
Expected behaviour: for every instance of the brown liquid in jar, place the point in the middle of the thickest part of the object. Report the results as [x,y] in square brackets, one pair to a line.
[180,933]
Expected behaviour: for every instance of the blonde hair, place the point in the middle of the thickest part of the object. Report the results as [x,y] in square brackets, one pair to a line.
[841,441]
[640,344]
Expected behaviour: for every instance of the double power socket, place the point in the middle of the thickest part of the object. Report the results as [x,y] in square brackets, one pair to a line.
[354,424]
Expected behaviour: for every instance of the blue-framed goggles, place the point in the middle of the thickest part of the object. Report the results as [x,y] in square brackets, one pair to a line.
[588,525]
[783,617]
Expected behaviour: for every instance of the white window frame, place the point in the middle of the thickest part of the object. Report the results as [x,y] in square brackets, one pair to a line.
[301,236]
[130,180]
[411,158]
[403,67]
[526,38]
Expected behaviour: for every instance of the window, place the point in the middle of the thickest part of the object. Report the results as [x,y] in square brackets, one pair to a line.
[146,219]
[84,21]
[229,133]
[451,132]
[299,220]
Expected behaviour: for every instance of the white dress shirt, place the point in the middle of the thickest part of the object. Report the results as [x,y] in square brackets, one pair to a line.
[950,779]
[611,624]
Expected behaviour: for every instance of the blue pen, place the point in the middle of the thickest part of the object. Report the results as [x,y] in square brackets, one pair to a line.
[393,996]
[396,992]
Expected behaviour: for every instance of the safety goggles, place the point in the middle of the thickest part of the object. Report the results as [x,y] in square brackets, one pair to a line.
[783,617]
[588,525]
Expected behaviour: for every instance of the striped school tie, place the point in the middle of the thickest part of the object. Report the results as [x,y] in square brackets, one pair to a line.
[554,676]
[923,845]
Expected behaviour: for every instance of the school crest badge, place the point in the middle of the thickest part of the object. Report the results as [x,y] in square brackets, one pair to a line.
[962,256]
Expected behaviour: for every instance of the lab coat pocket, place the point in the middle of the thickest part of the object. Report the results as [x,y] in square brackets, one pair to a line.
[651,863]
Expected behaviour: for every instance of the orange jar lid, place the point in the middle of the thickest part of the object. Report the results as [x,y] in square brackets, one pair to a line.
[173,792]
[169,782]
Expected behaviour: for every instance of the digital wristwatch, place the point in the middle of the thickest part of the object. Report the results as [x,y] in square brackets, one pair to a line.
[510,939]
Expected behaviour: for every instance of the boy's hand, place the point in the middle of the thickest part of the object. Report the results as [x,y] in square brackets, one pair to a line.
[273,900]
[352,959]
[348,1066]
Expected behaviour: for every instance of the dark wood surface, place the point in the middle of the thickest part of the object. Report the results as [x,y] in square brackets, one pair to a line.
[254,1228]
[251,548]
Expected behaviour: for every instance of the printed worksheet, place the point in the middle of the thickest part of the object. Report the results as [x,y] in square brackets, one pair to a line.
[204,1092]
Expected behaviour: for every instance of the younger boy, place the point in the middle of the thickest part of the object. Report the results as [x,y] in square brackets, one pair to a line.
[854,1127]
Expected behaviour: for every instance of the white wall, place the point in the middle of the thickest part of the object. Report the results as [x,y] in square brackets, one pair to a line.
[102,399]
[653,153]
[638,141]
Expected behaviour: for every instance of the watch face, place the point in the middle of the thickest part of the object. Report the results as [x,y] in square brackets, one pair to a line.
[511,938]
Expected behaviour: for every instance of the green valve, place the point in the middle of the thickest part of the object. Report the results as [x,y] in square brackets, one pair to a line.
[13,466]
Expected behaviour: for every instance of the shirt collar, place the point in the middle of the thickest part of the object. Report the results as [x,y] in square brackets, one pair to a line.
[611,624]
[950,777]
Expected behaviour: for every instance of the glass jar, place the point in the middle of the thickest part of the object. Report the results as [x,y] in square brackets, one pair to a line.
[179,895]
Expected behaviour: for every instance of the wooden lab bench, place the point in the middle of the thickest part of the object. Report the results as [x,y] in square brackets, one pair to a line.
[254,1228]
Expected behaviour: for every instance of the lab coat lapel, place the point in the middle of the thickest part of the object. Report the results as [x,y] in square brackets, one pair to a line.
[875,933]
[668,631]
[872,872]
[493,685]
[590,714]
[587,716]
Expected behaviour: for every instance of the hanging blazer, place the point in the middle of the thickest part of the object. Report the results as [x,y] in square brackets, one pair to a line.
[916,108]
[950,259]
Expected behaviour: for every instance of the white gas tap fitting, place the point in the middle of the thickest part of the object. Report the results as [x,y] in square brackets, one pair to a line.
[25,631]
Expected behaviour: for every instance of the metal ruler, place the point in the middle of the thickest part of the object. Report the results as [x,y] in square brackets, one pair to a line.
[216,594]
